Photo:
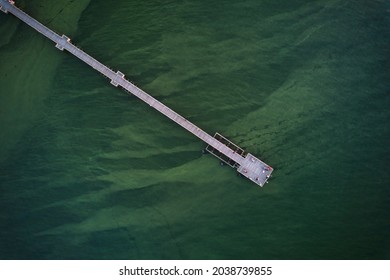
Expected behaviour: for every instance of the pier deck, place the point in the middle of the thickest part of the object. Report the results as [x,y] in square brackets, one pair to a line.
[249,166]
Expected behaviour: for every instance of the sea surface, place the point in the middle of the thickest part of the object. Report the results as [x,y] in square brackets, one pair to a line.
[89,172]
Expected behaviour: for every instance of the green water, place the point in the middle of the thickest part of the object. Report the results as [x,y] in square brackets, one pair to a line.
[88,172]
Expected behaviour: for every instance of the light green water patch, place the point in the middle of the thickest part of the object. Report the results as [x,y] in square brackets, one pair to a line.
[163,200]
[185,57]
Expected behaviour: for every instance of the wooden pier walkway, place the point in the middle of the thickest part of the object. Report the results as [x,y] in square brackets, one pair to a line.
[246,164]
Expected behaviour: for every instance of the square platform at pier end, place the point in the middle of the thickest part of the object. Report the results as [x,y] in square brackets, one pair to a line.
[255,170]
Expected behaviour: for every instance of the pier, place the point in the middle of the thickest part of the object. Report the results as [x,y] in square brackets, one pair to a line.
[246,164]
